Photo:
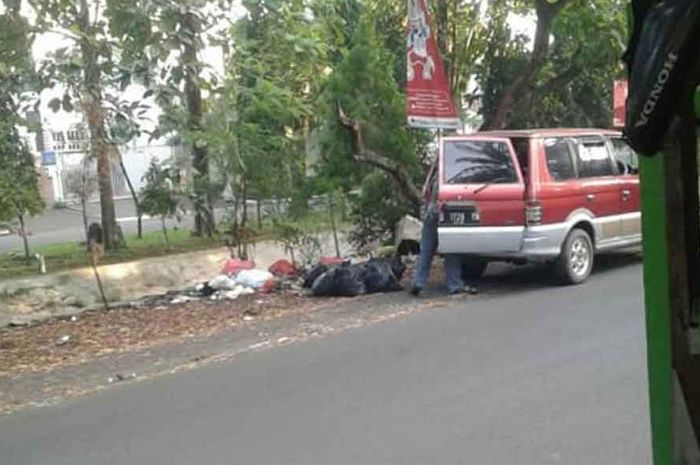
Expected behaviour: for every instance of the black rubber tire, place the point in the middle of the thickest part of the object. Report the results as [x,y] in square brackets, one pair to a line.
[473,268]
[575,262]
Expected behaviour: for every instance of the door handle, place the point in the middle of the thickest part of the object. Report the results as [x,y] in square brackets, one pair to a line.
[590,197]
[626,195]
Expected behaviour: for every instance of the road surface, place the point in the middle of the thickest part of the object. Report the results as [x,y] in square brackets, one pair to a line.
[533,376]
[66,224]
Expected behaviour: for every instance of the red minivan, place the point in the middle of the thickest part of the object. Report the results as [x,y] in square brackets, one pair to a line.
[552,195]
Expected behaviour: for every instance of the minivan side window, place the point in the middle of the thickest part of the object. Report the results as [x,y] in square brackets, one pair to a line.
[560,162]
[625,158]
[593,158]
[476,162]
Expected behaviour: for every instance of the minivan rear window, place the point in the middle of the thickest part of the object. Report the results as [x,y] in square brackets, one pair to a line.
[476,162]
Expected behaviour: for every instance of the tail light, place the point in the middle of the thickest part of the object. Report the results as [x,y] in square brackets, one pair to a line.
[533,213]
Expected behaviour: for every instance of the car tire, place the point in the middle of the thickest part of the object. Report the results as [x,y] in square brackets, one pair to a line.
[575,262]
[473,268]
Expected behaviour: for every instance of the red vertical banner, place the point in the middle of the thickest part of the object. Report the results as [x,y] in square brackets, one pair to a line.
[619,103]
[429,104]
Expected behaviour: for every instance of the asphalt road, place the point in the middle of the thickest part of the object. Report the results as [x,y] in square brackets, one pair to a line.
[533,376]
[66,224]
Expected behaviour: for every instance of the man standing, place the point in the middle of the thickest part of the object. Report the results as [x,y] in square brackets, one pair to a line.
[429,244]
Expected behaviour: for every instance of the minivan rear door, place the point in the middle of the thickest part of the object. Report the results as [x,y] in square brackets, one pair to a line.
[482,186]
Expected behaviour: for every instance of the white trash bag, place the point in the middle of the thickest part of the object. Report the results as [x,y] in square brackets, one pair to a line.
[254,279]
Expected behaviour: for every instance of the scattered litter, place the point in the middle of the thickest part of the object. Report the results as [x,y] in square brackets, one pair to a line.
[283,340]
[248,318]
[203,290]
[259,345]
[233,294]
[234,266]
[222,283]
[63,340]
[182,299]
[283,269]
[254,279]
[118,378]
[74,318]
[18,322]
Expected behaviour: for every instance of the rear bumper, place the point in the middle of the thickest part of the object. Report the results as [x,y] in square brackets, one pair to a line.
[511,242]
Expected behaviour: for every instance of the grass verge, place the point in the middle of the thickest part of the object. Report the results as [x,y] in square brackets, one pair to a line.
[71,255]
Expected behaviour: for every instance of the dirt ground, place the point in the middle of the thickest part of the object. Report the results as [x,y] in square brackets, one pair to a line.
[68,341]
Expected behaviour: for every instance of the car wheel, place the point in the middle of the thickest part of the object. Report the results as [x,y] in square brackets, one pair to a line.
[473,268]
[576,260]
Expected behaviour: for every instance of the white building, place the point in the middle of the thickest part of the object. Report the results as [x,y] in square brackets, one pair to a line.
[61,152]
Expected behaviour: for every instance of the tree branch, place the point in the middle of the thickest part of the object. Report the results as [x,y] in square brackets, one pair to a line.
[363,155]
[515,92]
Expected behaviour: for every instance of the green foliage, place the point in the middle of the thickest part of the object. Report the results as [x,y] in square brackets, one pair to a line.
[365,85]
[297,241]
[159,196]
[574,85]
[374,221]
[261,116]
[288,64]
[366,88]
[19,189]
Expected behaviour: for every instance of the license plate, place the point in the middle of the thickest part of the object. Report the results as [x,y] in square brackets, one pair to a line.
[461,218]
[458,218]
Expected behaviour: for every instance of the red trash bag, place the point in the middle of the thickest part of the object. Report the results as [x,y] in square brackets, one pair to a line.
[235,266]
[330,261]
[283,268]
[269,286]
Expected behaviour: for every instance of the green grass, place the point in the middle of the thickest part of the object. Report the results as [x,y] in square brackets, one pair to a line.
[70,255]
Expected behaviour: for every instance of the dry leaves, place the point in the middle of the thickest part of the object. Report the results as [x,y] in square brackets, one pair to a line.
[60,342]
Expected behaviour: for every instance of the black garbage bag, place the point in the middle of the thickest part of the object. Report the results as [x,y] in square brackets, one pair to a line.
[339,281]
[312,274]
[373,276]
[383,275]
[662,53]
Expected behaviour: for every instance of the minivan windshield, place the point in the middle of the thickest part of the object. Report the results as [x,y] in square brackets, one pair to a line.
[478,162]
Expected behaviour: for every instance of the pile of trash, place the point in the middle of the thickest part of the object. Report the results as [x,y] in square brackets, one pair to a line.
[346,279]
[237,278]
[330,277]
[241,277]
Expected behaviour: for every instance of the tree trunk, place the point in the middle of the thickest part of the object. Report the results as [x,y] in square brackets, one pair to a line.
[259,213]
[518,91]
[334,229]
[204,222]
[99,143]
[83,206]
[165,232]
[393,168]
[244,220]
[84,193]
[23,233]
[442,27]
[134,195]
